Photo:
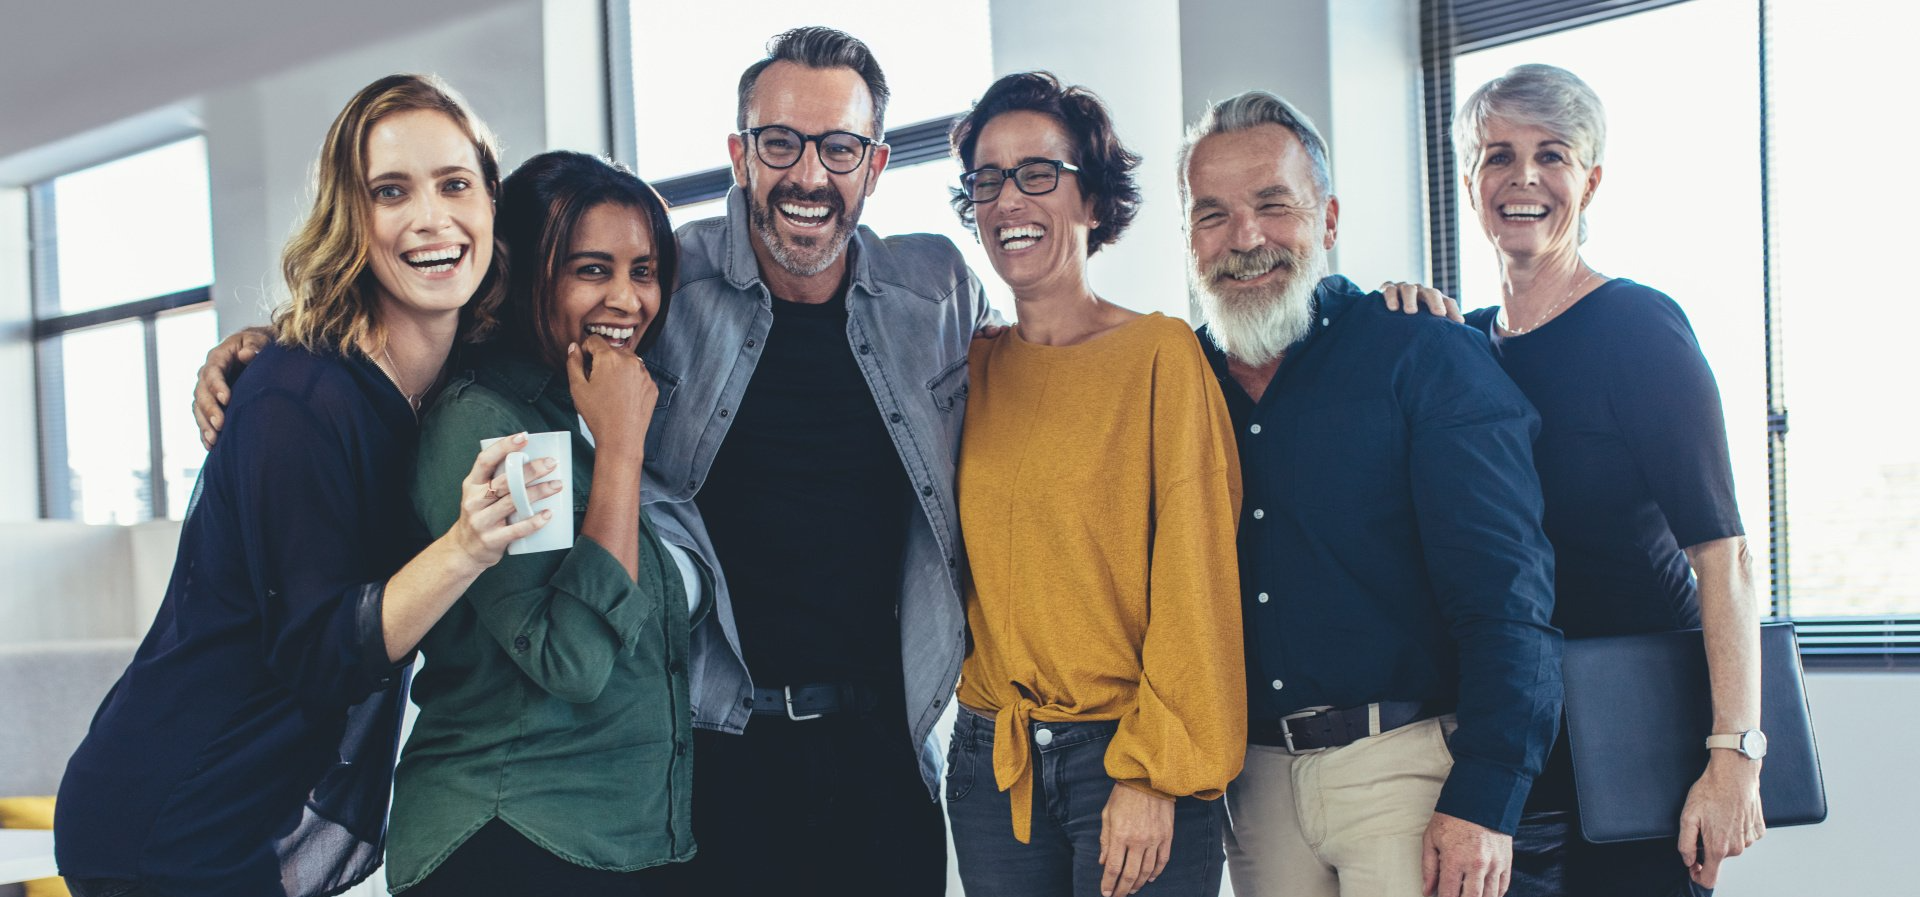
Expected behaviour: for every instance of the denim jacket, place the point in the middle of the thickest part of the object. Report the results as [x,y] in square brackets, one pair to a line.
[912,307]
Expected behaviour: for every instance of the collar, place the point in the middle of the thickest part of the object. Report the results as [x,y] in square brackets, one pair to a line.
[516,375]
[743,267]
[1333,297]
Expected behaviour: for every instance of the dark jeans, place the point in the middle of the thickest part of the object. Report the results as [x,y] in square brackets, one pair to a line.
[1069,792]
[1550,859]
[832,806]
[498,860]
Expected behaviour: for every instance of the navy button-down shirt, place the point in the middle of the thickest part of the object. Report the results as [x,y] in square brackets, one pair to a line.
[1390,540]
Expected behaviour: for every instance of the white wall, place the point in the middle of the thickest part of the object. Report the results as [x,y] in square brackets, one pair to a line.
[1866,725]
[1129,54]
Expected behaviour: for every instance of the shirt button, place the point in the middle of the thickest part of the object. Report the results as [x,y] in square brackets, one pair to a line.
[864,348]
[723,412]
[895,417]
[747,702]
[926,490]
[750,344]
[1043,737]
[520,643]
[676,668]
[1276,685]
[692,483]
[1255,429]
[1324,322]
[1258,514]
[680,750]
[1263,598]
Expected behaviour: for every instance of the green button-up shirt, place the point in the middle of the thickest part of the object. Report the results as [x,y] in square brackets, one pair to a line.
[554,695]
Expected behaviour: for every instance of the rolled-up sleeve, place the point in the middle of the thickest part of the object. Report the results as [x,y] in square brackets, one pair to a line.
[1477,497]
[563,617]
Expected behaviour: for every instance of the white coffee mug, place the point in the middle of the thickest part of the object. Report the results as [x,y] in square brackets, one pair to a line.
[558,533]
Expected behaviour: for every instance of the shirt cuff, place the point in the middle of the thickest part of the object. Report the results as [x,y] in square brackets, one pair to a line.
[594,577]
[1141,786]
[370,629]
[1485,794]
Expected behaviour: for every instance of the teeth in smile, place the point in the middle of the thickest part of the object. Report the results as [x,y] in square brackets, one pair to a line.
[1021,237]
[1524,210]
[435,261]
[611,333]
[803,211]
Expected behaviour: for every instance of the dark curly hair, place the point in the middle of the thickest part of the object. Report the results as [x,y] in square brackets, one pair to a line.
[540,205]
[1106,167]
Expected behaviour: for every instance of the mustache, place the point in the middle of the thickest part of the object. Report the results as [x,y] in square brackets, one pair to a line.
[826,196]
[1237,264]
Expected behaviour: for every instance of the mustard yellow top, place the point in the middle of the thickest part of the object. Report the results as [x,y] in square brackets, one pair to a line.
[1099,490]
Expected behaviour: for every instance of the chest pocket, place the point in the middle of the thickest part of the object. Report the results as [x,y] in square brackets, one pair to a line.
[667,383]
[949,387]
[1348,453]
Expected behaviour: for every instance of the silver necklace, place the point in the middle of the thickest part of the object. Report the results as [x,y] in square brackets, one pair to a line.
[393,373]
[1548,314]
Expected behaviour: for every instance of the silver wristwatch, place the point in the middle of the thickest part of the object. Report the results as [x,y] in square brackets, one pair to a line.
[1751,744]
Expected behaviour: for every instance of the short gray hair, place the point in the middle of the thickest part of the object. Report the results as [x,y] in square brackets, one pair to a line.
[1545,96]
[1249,110]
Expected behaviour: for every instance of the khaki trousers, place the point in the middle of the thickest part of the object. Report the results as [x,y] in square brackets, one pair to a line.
[1343,822]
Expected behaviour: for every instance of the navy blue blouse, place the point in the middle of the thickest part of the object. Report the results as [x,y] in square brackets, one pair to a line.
[249,747]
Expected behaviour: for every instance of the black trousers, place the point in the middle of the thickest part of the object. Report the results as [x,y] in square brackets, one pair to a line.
[498,860]
[829,806]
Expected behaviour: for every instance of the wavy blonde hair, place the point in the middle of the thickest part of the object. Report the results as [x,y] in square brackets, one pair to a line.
[332,302]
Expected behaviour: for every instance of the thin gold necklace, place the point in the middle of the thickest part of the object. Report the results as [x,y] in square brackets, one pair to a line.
[1548,314]
[393,373]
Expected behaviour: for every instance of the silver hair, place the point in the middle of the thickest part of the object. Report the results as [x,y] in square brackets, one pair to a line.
[1249,110]
[1545,96]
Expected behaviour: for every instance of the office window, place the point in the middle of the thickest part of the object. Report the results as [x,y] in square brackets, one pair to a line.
[1732,128]
[122,269]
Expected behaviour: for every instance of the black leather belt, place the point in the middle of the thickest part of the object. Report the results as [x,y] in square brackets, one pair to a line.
[803,702]
[1319,728]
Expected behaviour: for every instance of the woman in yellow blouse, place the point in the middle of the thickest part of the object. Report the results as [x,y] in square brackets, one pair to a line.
[1102,700]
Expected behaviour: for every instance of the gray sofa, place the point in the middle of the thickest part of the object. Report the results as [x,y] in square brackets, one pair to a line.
[48,693]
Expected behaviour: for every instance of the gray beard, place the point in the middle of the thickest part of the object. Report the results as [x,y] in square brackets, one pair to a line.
[802,256]
[1256,328]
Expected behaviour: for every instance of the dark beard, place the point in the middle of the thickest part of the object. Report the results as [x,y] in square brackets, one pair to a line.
[804,256]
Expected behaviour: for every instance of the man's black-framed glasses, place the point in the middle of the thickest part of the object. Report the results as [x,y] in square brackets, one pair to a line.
[780,147]
[1034,178]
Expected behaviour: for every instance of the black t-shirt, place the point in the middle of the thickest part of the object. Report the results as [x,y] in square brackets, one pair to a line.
[807,505]
[1632,456]
[1633,463]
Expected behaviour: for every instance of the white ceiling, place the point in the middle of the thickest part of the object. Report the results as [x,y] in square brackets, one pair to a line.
[68,66]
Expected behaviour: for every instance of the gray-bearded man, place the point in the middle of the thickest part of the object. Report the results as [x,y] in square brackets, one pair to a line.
[1403,679]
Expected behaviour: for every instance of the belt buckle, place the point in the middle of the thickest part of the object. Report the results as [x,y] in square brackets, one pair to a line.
[1286,731]
[788,691]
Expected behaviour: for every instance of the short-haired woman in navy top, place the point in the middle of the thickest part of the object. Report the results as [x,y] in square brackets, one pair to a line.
[248,749]
[1633,463]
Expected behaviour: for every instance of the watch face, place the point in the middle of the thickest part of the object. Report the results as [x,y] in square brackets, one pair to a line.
[1753,743]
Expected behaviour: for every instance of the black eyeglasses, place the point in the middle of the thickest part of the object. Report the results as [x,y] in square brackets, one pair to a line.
[780,147]
[1034,178]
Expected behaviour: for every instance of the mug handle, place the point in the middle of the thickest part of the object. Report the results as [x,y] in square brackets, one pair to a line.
[517,484]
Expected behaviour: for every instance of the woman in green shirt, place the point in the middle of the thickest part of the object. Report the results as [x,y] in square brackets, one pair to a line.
[552,751]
